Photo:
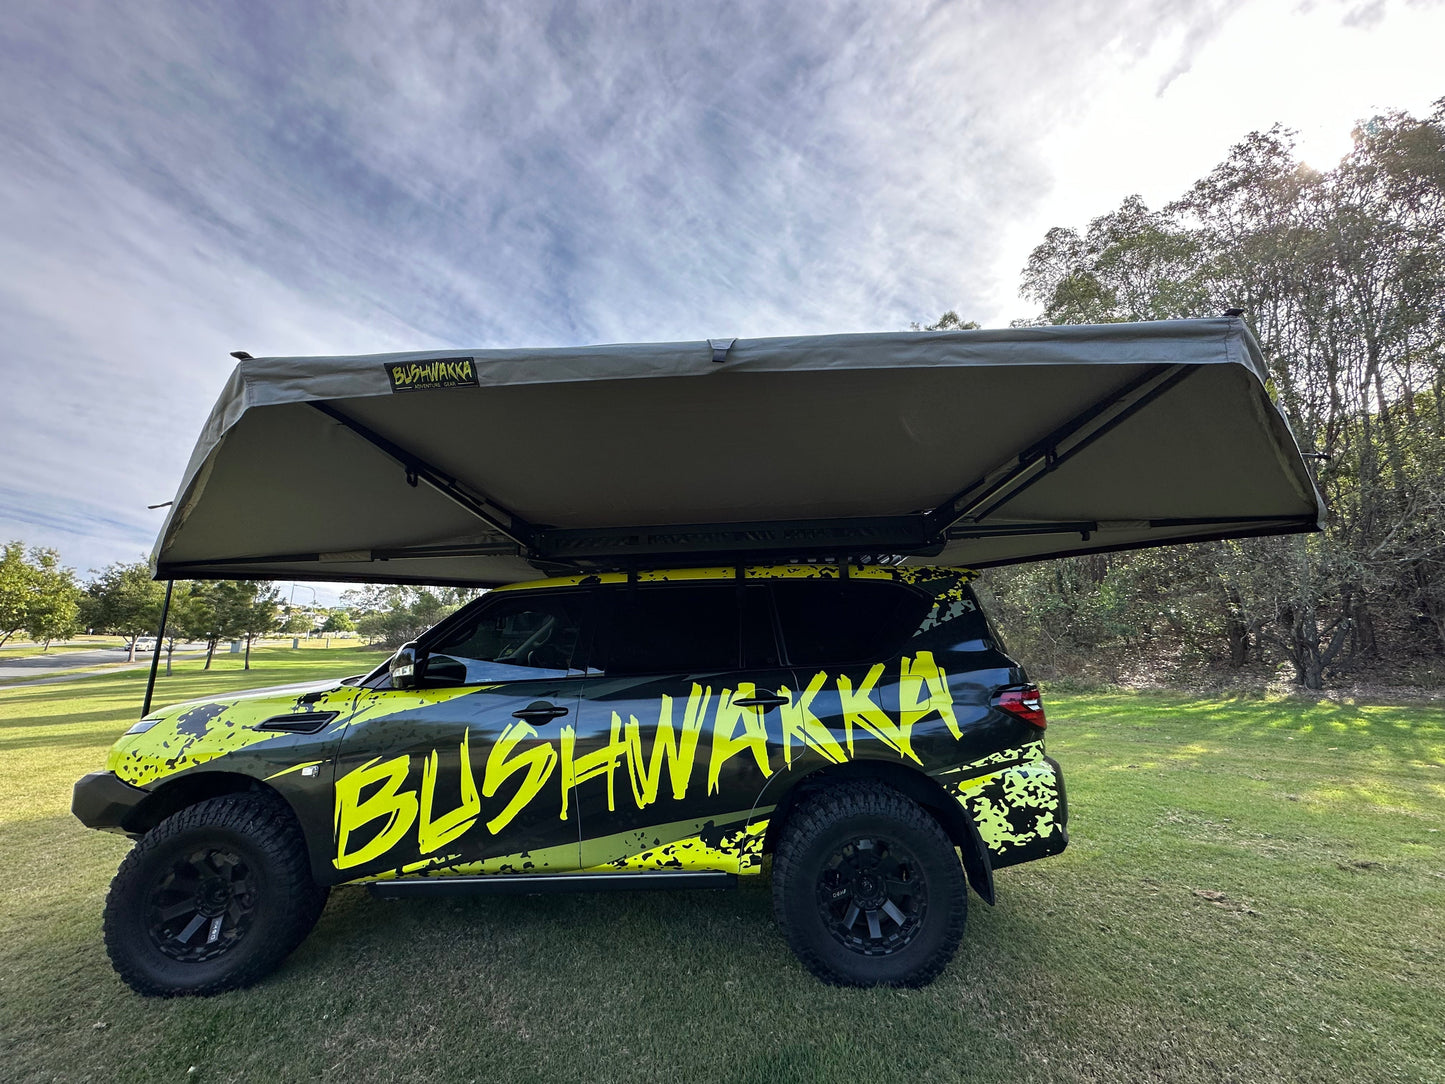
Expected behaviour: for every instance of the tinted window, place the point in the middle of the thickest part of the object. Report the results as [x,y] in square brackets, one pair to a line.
[510,639]
[829,621]
[957,624]
[760,642]
[668,629]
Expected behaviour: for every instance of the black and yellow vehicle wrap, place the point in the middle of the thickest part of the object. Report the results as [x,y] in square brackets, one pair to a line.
[649,773]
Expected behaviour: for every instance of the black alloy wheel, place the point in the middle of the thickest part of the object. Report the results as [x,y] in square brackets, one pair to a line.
[203,906]
[868,888]
[870,895]
[213,898]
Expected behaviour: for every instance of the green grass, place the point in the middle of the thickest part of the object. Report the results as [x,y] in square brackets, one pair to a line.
[60,647]
[1255,891]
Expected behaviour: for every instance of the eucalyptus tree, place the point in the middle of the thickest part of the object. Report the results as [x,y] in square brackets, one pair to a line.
[1342,276]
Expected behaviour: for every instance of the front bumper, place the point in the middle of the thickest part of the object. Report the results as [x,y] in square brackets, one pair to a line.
[100,800]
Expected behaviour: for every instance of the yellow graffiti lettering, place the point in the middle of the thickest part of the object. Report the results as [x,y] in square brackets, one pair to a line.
[724,742]
[577,770]
[399,808]
[923,688]
[443,371]
[501,766]
[676,751]
[800,724]
[859,710]
[434,834]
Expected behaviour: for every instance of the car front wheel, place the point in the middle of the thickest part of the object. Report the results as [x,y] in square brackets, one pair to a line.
[211,899]
[867,888]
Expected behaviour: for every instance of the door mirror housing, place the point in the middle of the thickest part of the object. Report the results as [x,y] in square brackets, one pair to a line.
[406,666]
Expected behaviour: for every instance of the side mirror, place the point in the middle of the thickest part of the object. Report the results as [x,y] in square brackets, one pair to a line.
[404,667]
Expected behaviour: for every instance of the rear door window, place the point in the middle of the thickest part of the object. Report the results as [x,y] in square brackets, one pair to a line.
[832,622]
[667,629]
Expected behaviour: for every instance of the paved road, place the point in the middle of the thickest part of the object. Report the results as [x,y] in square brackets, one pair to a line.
[61,666]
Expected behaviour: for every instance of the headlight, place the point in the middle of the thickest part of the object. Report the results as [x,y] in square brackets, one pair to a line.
[144,725]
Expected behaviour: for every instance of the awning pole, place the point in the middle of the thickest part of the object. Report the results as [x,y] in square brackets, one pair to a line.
[156,654]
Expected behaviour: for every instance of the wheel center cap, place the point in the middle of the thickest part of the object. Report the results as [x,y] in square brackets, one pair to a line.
[867,890]
[213,897]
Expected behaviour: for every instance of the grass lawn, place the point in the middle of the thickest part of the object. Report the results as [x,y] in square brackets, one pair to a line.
[59,647]
[1255,891]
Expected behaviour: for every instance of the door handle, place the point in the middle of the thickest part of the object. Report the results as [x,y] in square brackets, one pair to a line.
[766,701]
[540,711]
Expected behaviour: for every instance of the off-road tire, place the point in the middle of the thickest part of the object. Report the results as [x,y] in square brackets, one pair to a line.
[257,829]
[823,828]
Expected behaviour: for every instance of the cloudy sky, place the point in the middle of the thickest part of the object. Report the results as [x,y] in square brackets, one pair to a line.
[179,181]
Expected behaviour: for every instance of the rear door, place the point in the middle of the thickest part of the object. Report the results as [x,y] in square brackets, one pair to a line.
[676,728]
[859,694]
[463,772]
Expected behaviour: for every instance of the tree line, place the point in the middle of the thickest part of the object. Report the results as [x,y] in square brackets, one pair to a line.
[1341,275]
[43,599]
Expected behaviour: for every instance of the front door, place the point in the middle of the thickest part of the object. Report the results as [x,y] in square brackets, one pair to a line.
[462,773]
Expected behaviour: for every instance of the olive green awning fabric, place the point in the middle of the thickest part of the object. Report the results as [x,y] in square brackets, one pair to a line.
[963,447]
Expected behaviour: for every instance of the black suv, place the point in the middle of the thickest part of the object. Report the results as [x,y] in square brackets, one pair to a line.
[645,730]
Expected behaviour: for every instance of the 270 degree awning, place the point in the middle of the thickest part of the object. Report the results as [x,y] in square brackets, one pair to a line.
[968,448]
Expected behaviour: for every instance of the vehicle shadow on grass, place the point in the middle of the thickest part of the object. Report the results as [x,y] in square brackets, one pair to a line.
[685,976]
[625,986]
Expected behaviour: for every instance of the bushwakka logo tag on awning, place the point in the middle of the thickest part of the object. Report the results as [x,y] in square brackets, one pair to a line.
[433,373]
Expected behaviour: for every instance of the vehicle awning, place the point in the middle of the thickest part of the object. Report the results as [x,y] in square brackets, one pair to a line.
[969,448]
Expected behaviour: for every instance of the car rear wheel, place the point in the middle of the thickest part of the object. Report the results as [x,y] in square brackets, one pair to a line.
[212,898]
[868,889]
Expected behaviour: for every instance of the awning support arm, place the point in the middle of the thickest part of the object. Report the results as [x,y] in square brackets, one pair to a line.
[156,654]
[1088,527]
[1013,477]
[499,519]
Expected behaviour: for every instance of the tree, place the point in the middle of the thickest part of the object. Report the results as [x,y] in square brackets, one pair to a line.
[254,609]
[54,609]
[949,321]
[1342,276]
[15,593]
[226,609]
[206,613]
[338,621]
[186,618]
[296,623]
[392,614]
[123,599]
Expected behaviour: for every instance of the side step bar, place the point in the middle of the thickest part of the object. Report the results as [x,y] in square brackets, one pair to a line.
[535,883]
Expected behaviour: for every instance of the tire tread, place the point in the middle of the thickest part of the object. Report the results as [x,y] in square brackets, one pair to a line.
[267,822]
[819,812]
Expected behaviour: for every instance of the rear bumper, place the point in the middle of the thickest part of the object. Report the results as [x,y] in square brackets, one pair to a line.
[100,800]
[1021,810]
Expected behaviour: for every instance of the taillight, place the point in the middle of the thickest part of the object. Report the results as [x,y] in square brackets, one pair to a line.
[1024,702]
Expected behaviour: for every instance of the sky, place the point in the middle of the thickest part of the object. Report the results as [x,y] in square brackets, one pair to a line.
[178,181]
